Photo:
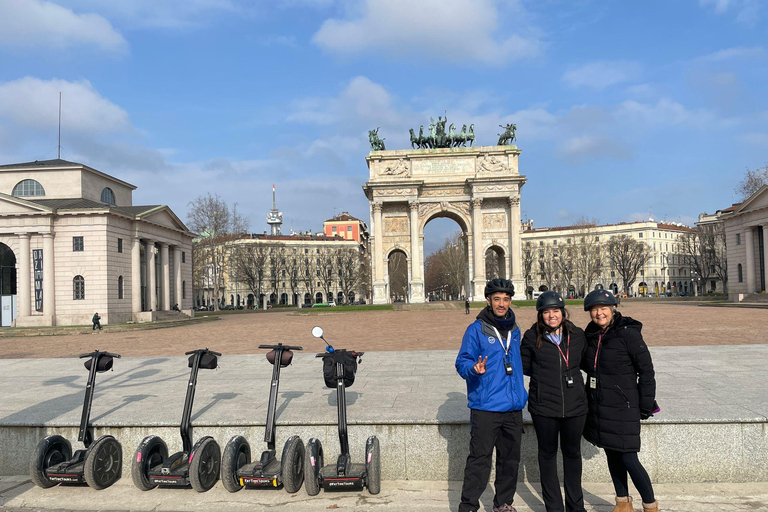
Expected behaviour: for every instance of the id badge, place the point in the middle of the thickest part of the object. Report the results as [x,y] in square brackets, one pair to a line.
[508,368]
[569,381]
[593,382]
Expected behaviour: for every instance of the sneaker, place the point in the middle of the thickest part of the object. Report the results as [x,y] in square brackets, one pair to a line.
[504,508]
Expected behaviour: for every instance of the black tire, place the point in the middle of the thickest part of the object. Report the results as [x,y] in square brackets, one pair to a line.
[313,463]
[237,454]
[373,465]
[151,452]
[205,465]
[293,464]
[104,463]
[50,451]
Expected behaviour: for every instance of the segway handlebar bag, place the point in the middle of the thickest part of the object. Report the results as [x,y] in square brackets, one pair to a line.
[349,363]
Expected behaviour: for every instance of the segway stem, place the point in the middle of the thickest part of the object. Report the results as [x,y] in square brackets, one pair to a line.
[269,431]
[341,398]
[186,425]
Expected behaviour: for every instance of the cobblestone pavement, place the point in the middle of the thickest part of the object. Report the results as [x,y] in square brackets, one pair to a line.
[671,324]
[18,495]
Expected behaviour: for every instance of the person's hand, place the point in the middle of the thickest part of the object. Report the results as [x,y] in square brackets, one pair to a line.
[479,366]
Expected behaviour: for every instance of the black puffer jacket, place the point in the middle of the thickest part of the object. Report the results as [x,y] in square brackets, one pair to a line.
[626,384]
[548,393]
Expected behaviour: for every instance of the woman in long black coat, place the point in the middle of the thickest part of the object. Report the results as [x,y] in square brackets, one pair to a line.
[551,351]
[621,389]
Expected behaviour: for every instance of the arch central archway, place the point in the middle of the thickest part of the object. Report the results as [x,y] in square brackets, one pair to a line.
[477,187]
[446,269]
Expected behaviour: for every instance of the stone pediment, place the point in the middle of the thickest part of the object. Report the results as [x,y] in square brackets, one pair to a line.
[163,216]
[756,201]
[10,205]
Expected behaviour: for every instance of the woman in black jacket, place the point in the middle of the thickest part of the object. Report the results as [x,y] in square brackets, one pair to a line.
[621,389]
[551,351]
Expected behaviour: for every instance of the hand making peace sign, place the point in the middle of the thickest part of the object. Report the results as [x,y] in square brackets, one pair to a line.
[479,366]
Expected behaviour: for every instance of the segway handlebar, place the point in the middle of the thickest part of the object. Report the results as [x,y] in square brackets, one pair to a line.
[284,347]
[202,350]
[350,352]
[102,353]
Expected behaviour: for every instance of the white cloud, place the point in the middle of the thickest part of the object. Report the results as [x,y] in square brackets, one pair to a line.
[174,14]
[593,146]
[33,103]
[747,11]
[37,23]
[664,112]
[741,52]
[453,30]
[601,75]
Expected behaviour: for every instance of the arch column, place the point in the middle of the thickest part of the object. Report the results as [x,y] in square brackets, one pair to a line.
[49,281]
[165,279]
[151,300]
[477,249]
[416,288]
[136,275]
[379,285]
[514,245]
[24,307]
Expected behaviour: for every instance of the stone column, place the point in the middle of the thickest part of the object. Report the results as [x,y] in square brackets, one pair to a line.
[49,282]
[136,275]
[515,250]
[477,250]
[379,286]
[151,277]
[750,260]
[165,282]
[177,275]
[25,274]
[417,283]
[765,256]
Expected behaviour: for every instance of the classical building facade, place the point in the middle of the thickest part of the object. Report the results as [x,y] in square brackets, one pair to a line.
[72,243]
[746,236]
[667,270]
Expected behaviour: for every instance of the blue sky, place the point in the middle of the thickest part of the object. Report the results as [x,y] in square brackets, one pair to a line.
[622,107]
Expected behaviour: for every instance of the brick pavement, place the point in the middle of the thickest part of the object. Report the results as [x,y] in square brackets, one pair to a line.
[670,324]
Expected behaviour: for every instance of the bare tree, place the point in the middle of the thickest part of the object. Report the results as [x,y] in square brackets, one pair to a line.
[348,266]
[398,275]
[292,266]
[565,267]
[720,254]
[308,275]
[211,218]
[628,256]
[327,271]
[547,267]
[753,180]
[588,257]
[698,247]
[249,262]
[527,261]
[493,268]
[275,266]
[445,270]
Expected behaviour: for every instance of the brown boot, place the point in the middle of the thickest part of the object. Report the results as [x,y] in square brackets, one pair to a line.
[651,507]
[623,504]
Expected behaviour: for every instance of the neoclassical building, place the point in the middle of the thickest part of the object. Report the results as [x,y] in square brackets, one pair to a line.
[72,243]
[746,236]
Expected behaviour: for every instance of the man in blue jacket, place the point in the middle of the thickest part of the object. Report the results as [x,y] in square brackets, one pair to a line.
[489,360]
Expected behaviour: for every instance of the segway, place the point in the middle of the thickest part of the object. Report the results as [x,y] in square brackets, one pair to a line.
[237,470]
[100,464]
[196,465]
[339,368]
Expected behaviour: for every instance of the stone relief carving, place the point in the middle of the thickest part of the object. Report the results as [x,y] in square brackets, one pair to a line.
[443,192]
[492,164]
[400,167]
[493,188]
[397,239]
[396,225]
[494,221]
[388,192]
[514,200]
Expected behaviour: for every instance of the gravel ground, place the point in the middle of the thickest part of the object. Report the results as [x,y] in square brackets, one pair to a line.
[672,324]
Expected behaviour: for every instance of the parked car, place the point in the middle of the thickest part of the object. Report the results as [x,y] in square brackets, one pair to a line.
[331,304]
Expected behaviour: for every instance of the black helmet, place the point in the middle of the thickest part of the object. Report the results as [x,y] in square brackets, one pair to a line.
[499,285]
[549,299]
[597,297]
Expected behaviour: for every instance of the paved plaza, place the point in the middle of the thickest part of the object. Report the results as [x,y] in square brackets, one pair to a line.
[664,324]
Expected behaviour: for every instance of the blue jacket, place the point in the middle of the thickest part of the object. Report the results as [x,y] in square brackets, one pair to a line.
[494,390]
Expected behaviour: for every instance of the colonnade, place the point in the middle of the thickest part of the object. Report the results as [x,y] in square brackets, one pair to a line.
[167,297]
[753,267]
[24,291]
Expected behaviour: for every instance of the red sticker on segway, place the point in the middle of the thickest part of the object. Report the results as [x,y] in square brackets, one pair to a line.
[369,458]
[190,457]
[138,457]
[312,460]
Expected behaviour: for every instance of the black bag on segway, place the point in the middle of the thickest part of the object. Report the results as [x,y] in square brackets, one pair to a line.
[104,364]
[208,361]
[349,363]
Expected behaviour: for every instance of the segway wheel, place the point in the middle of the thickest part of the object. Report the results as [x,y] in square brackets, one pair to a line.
[50,451]
[237,454]
[104,463]
[151,452]
[204,465]
[293,464]
[313,463]
[373,465]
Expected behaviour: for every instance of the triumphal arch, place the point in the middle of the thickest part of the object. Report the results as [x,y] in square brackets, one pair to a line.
[478,187]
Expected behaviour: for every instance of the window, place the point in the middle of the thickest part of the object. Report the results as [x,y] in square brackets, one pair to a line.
[597,239]
[78,288]
[183,257]
[738,238]
[554,242]
[741,273]
[120,287]
[27,188]
[77,243]
[119,245]
[107,196]
[349,228]
[333,229]
[640,235]
[183,290]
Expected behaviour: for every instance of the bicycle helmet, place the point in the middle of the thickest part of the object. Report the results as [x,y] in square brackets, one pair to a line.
[499,285]
[549,299]
[599,297]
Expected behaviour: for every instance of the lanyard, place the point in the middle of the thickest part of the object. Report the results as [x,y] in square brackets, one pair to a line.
[501,341]
[567,354]
[597,352]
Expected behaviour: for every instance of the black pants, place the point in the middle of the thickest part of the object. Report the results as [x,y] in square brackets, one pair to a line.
[619,464]
[502,431]
[96,324]
[568,431]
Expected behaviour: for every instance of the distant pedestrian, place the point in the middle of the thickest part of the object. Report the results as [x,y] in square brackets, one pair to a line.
[466,305]
[621,391]
[96,318]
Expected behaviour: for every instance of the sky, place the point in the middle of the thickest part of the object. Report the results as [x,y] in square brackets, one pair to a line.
[624,110]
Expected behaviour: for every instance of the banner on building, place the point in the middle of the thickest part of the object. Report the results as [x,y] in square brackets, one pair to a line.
[37,262]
